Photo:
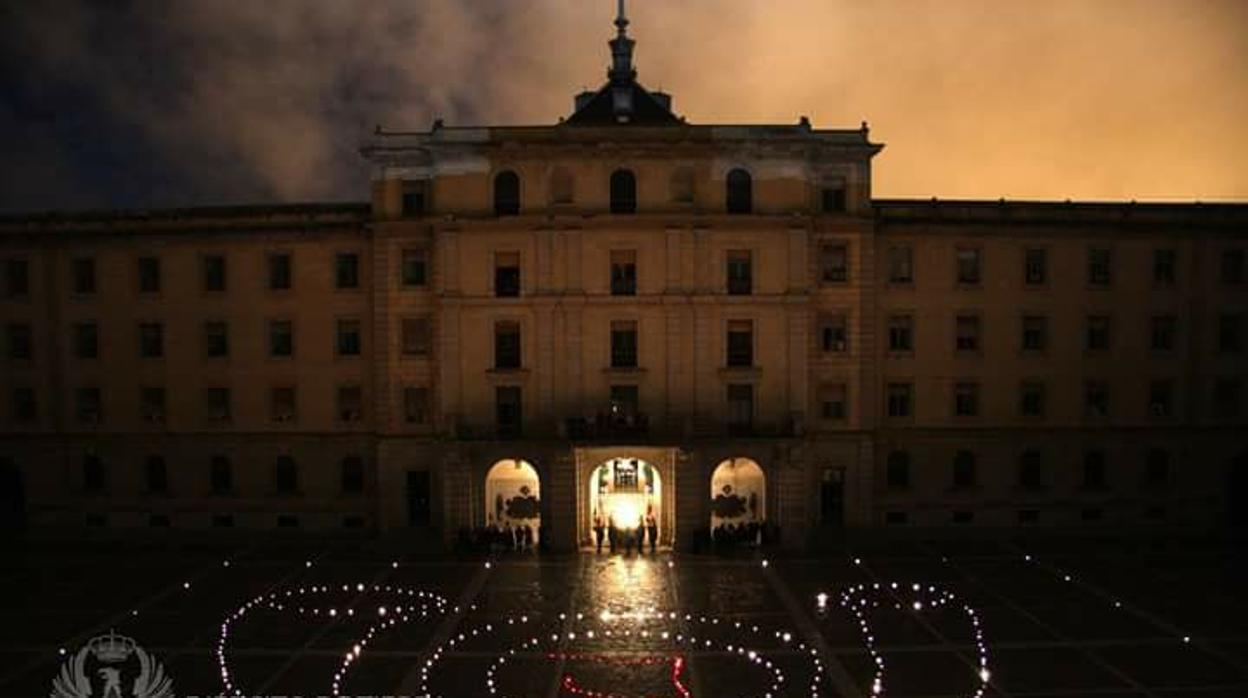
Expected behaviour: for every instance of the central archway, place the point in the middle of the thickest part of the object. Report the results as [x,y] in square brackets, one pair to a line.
[625,493]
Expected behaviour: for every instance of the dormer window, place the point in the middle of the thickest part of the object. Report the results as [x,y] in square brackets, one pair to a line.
[506,193]
[740,192]
[623,192]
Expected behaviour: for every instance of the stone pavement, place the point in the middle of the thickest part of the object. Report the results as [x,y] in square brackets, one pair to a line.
[1055,618]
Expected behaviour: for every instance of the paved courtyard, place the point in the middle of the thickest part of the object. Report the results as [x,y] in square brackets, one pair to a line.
[1041,618]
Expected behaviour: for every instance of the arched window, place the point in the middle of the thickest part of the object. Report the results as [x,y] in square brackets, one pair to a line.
[562,189]
[740,192]
[898,470]
[682,185]
[506,193]
[623,192]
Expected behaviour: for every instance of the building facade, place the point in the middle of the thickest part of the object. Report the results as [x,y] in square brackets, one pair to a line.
[621,315]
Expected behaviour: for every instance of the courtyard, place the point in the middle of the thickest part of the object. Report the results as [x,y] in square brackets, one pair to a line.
[1045,617]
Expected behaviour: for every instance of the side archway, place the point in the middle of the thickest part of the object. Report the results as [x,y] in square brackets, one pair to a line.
[738,495]
[513,494]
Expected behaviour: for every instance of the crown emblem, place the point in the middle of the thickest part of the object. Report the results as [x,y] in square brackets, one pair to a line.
[111,648]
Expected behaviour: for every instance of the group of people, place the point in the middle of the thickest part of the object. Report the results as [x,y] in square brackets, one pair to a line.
[726,537]
[496,538]
[625,536]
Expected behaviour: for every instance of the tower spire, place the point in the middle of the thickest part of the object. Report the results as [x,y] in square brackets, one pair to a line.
[622,70]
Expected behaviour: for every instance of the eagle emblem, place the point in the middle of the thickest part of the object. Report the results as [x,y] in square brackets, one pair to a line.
[112,666]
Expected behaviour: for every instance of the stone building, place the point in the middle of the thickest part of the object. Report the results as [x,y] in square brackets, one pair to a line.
[625,313]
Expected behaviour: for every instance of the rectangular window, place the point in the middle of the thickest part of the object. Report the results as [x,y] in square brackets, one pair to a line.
[414,198]
[740,344]
[1164,267]
[151,340]
[966,399]
[1227,398]
[833,263]
[507,411]
[901,333]
[346,270]
[86,340]
[157,475]
[220,475]
[281,338]
[1157,469]
[1035,266]
[1035,333]
[507,345]
[20,343]
[740,406]
[1031,399]
[1094,469]
[94,476]
[969,266]
[16,278]
[414,269]
[348,340]
[625,401]
[623,272]
[283,406]
[83,272]
[281,272]
[1233,267]
[416,405]
[217,405]
[415,336]
[88,405]
[216,339]
[897,474]
[834,334]
[1097,334]
[352,475]
[149,275]
[25,405]
[1031,470]
[833,402]
[286,475]
[623,344]
[832,198]
[1229,339]
[900,398]
[740,272]
[1162,333]
[1099,270]
[350,403]
[901,265]
[506,274]
[152,404]
[964,470]
[1096,398]
[1161,398]
[214,273]
[966,329]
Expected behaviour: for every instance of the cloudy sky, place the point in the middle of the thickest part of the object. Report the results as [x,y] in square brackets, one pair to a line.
[184,102]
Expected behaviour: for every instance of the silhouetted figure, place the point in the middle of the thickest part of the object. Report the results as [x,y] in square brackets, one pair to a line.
[652,526]
[613,535]
[599,532]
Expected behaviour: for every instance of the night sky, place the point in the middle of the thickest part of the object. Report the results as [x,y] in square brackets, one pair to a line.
[180,102]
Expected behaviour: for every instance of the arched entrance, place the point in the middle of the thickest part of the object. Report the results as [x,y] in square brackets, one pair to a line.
[513,496]
[626,493]
[738,501]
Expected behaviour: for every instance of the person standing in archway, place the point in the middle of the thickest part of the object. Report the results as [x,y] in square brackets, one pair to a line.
[599,531]
[652,528]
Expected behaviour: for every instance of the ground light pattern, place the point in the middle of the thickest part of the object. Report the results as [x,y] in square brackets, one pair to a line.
[1043,618]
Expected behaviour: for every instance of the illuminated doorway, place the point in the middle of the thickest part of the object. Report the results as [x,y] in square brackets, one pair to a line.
[513,495]
[624,492]
[738,494]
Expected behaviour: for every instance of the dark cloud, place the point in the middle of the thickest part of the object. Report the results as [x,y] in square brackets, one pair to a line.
[177,102]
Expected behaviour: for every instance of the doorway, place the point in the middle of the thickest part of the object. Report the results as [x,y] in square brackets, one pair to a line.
[626,493]
[419,498]
[832,497]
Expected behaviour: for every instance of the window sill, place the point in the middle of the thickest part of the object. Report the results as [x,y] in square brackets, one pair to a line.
[624,371]
[752,372]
